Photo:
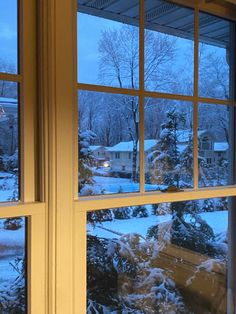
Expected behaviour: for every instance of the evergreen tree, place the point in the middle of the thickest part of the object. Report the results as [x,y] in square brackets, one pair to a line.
[121,279]
[140,211]
[13,223]
[86,159]
[165,158]
[187,229]
[122,213]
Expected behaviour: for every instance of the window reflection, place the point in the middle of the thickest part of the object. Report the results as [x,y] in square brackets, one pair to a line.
[159,258]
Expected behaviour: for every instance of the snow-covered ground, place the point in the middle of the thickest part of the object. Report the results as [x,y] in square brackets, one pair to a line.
[7,186]
[11,246]
[112,185]
[217,220]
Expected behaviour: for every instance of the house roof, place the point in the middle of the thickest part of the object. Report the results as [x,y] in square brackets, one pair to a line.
[221,146]
[161,16]
[183,135]
[95,147]
[128,146]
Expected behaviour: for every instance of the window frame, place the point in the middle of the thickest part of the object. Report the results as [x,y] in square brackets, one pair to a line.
[28,205]
[84,204]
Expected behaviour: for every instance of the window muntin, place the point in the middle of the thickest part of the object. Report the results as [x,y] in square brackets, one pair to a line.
[9,36]
[168,257]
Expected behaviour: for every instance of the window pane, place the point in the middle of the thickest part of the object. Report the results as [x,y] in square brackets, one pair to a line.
[8,36]
[108,143]
[160,258]
[13,265]
[169,53]
[108,43]
[215,145]
[9,163]
[168,144]
[215,54]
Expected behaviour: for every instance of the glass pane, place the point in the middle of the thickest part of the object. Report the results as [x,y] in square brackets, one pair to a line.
[9,142]
[215,54]
[168,144]
[108,143]
[13,266]
[8,36]
[169,48]
[215,145]
[108,43]
[161,258]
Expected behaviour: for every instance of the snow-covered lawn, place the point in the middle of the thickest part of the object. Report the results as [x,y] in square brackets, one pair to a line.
[112,185]
[11,247]
[7,186]
[217,220]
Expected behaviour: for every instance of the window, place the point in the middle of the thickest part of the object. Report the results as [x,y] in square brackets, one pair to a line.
[162,79]
[22,217]
[117,155]
[168,257]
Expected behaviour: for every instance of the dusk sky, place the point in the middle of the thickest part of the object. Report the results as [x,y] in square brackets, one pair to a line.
[8,34]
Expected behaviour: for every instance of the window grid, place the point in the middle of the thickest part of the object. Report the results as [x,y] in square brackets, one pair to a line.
[142,93]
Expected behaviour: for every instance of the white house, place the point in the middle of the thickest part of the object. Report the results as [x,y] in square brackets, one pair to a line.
[100,154]
[121,155]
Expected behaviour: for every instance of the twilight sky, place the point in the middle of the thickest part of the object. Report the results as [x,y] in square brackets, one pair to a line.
[8,33]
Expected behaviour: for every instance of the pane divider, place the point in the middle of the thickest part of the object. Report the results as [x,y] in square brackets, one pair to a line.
[10,77]
[98,202]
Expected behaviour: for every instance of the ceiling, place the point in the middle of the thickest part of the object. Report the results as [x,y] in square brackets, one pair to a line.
[161,16]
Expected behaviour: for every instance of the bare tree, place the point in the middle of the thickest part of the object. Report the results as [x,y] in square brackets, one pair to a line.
[119,66]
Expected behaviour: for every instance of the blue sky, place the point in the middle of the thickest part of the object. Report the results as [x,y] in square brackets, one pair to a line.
[89,31]
[8,34]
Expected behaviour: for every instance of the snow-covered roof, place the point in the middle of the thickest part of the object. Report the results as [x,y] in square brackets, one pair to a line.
[181,147]
[183,135]
[95,147]
[221,146]
[128,146]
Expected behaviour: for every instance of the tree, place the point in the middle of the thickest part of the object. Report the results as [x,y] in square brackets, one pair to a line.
[140,211]
[165,167]
[121,279]
[85,159]
[186,229]
[119,66]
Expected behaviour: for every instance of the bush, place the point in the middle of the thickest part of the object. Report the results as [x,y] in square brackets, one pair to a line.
[140,211]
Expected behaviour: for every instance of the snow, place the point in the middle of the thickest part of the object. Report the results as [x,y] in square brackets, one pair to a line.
[11,246]
[95,147]
[221,146]
[111,185]
[218,221]
[5,100]
[128,146]
[7,186]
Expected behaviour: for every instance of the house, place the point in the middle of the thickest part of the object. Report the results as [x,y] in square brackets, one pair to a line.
[100,154]
[121,155]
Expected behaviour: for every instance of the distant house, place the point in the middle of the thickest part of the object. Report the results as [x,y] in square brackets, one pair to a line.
[100,154]
[221,151]
[121,155]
